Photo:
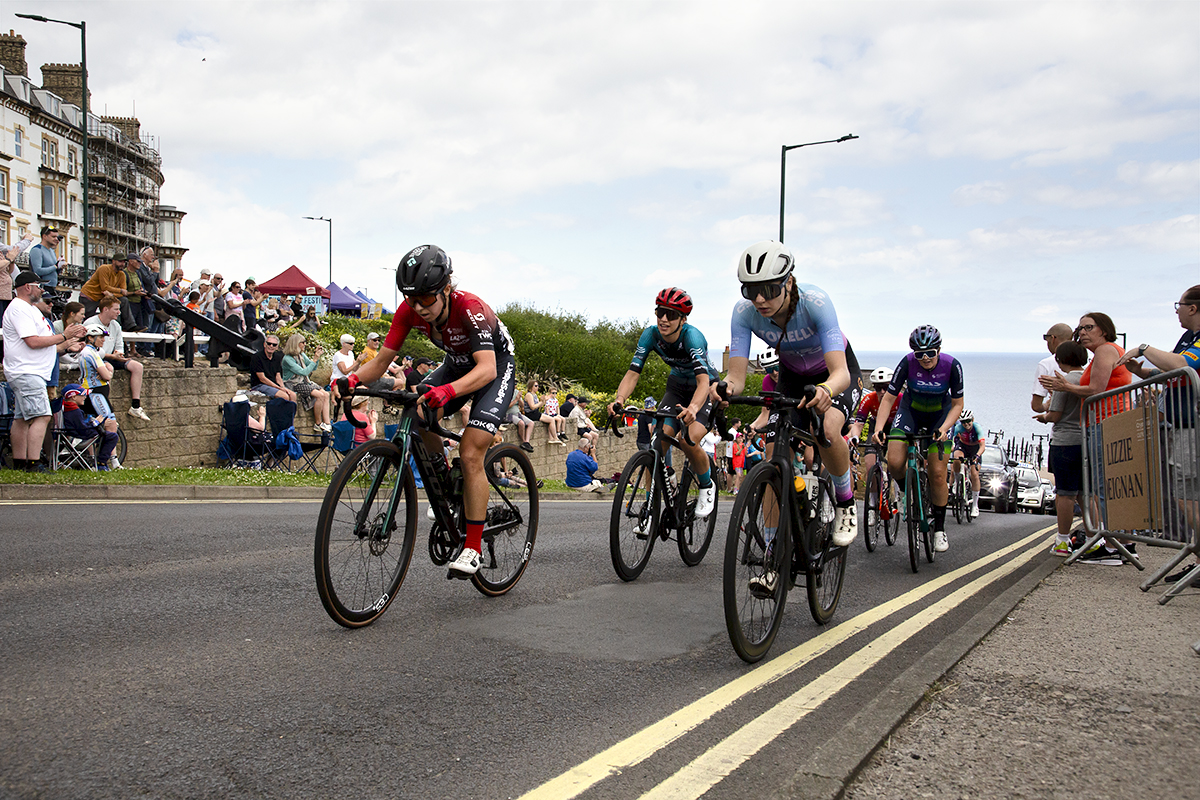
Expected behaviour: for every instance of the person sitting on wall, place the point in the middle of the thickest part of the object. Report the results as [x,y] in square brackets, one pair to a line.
[581,468]
[266,368]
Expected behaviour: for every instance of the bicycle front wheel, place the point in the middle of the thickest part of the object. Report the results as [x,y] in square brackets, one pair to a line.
[696,534]
[827,566]
[510,527]
[632,528]
[872,521]
[927,515]
[361,554]
[912,516]
[757,563]
[956,500]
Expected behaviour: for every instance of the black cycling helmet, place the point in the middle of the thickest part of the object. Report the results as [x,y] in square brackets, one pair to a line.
[926,337]
[423,270]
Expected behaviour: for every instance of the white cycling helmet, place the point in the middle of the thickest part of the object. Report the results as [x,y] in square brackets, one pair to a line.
[769,360]
[966,417]
[764,262]
[881,375]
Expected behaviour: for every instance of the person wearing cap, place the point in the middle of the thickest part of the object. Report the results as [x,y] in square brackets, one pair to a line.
[369,352]
[421,367]
[31,349]
[108,279]
[583,421]
[103,423]
[646,425]
[344,363]
[43,259]
[9,270]
[113,352]
[360,413]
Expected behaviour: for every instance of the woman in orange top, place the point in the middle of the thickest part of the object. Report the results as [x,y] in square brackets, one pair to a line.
[1097,333]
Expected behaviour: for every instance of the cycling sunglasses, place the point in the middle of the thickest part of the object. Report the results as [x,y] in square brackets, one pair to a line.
[422,300]
[669,313]
[926,353]
[768,291]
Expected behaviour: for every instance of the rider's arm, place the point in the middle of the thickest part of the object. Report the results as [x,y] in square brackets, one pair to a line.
[956,407]
[837,382]
[700,396]
[735,379]
[628,384]
[373,370]
[885,410]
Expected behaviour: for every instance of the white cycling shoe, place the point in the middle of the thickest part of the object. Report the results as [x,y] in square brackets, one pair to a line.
[940,545]
[845,525]
[467,562]
[708,498]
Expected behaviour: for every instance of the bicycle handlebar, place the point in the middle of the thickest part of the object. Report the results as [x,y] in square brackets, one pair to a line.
[815,422]
[402,398]
[717,420]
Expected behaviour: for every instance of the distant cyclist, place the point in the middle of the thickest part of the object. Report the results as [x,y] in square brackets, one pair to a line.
[685,350]
[799,322]
[933,399]
[478,368]
[865,419]
[969,444]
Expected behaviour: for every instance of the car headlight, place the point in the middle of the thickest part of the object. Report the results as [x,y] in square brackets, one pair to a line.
[995,484]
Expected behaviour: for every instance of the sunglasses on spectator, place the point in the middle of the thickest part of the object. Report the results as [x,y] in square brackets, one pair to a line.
[669,314]
[422,300]
[1047,336]
[272,344]
[924,354]
[768,291]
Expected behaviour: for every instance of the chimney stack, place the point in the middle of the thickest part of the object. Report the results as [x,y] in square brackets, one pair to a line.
[66,81]
[12,53]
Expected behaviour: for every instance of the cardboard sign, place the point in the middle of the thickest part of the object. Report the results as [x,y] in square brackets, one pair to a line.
[1132,474]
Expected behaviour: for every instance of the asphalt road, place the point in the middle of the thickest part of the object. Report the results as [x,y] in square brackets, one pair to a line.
[178,649]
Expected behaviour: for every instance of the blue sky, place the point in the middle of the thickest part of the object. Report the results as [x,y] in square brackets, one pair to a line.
[1019,163]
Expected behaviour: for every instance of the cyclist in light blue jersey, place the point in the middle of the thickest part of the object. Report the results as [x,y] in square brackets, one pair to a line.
[799,322]
[685,350]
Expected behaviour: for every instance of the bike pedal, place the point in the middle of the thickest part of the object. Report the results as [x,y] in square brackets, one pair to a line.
[452,575]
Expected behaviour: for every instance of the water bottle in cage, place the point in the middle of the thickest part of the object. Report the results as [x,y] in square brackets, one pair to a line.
[672,486]
[456,478]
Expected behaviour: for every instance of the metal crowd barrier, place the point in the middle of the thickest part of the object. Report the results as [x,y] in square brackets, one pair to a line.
[1141,471]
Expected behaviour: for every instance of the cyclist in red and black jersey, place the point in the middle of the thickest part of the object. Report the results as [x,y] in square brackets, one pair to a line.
[479,368]
[866,418]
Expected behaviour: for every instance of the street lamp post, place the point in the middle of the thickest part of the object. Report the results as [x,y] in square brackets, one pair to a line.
[783,170]
[82,26]
[330,221]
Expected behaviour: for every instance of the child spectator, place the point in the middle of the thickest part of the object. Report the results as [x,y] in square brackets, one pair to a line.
[103,424]
[363,435]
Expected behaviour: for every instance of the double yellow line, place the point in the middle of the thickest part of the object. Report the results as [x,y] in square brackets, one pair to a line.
[722,759]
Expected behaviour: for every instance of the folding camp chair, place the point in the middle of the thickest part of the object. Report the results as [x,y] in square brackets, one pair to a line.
[282,446]
[7,402]
[241,446]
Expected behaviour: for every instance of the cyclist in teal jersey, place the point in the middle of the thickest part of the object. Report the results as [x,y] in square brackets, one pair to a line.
[685,350]
[969,442]
[798,320]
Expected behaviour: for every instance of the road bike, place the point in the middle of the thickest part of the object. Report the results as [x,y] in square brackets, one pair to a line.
[648,504]
[918,514]
[880,512]
[961,492]
[367,527]
[781,530]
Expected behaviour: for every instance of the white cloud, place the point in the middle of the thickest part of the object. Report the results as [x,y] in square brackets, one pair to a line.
[991,192]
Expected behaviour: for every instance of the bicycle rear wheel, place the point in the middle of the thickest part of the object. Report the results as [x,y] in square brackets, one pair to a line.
[633,526]
[891,525]
[755,574]
[872,521]
[696,535]
[361,555]
[827,565]
[912,516]
[510,527]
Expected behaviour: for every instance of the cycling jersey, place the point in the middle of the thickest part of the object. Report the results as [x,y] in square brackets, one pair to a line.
[970,437]
[470,327]
[811,332]
[687,356]
[928,391]
[868,409]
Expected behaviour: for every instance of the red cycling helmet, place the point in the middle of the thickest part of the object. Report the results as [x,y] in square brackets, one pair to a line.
[676,299]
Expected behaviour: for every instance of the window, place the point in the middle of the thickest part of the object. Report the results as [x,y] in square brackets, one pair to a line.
[21,195]
[48,200]
[73,209]
[49,153]
[71,161]
[3,231]
[4,186]
[18,141]
[62,202]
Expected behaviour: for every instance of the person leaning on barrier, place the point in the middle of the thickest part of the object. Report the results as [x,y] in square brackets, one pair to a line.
[1066,443]
[1180,407]
[31,349]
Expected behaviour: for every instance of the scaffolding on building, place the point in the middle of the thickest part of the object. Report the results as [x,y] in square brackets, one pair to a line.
[124,177]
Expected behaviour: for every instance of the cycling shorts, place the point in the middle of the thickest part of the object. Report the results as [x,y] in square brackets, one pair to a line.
[677,397]
[909,424]
[792,384]
[489,404]
[970,451]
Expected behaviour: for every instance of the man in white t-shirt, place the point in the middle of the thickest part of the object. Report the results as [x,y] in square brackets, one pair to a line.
[107,314]
[1059,332]
[31,349]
